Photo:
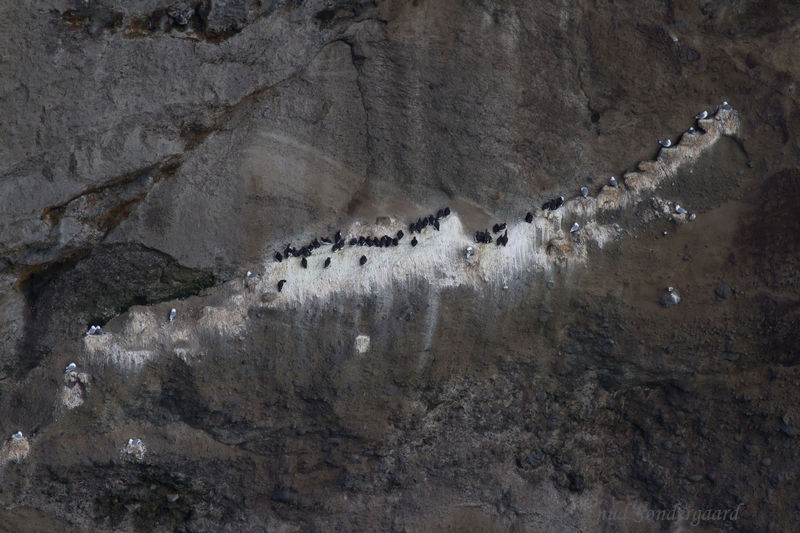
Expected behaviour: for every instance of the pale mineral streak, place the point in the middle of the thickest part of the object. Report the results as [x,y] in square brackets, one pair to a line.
[439,259]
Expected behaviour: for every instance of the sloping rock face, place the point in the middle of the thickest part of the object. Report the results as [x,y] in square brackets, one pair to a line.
[153,152]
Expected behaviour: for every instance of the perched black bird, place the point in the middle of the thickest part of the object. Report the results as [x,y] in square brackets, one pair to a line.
[280,285]
[304,263]
[498,227]
[288,251]
[431,219]
[529,217]
[316,243]
[278,257]
[552,205]
[325,240]
[483,237]
[338,236]
[363,260]
[503,239]
[414,241]
[412,226]
[422,223]
[361,240]
[327,262]
[436,224]
[369,242]
[395,242]
[353,241]
[446,211]
[400,234]
[439,213]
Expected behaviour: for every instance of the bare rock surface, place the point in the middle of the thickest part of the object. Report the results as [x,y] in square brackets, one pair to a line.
[153,152]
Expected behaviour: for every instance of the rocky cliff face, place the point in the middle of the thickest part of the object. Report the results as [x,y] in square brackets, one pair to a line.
[153,153]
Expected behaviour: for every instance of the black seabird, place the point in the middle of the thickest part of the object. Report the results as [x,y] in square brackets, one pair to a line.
[446,211]
[338,236]
[529,217]
[413,241]
[497,228]
[280,285]
[400,234]
[439,213]
[369,242]
[361,240]
[363,260]
[327,263]
[552,205]
[395,242]
[353,241]
[316,243]
[412,226]
[431,219]
[304,263]
[325,240]
[503,239]
[436,224]
[288,251]
[278,257]
[666,143]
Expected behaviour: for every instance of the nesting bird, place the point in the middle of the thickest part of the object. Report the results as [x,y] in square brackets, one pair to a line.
[70,368]
[726,106]
[469,252]
[497,228]
[666,143]
[17,436]
[95,330]
[585,192]
[172,314]
[702,115]
[680,210]
[575,227]
[613,182]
